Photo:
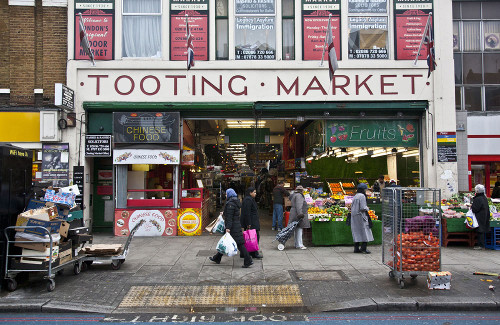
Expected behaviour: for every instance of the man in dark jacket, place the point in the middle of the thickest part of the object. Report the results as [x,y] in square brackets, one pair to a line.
[482,211]
[233,227]
[250,216]
[279,194]
[496,191]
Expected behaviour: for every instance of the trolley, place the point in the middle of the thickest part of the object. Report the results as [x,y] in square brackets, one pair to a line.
[12,269]
[285,234]
[116,260]
[411,235]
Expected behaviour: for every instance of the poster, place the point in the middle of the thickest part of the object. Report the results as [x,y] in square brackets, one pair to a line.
[98,18]
[447,146]
[197,11]
[55,164]
[368,37]
[189,222]
[314,25]
[156,222]
[410,17]
[188,157]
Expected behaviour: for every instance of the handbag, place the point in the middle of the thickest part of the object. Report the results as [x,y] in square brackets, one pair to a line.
[470,220]
[370,221]
[227,245]
[251,242]
[348,219]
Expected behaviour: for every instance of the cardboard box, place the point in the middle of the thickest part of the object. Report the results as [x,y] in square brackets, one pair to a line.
[35,242]
[43,213]
[65,252]
[439,280]
[78,231]
[43,266]
[30,256]
[52,226]
[64,229]
[66,198]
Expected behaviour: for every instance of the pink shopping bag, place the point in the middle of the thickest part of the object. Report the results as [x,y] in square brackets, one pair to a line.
[251,243]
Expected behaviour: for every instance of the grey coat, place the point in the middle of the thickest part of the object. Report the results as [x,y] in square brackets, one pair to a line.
[299,207]
[361,232]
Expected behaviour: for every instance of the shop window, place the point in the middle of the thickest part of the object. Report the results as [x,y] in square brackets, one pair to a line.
[472,98]
[255,30]
[471,31]
[458,67]
[141,28]
[458,99]
[492,98]
[288,26]
[222,28]
[368,37]
[472,69]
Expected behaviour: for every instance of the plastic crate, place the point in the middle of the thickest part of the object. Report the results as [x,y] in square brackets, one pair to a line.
[493,239]
[456,225]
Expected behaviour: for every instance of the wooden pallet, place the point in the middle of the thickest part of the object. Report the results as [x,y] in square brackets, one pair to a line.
[458,237]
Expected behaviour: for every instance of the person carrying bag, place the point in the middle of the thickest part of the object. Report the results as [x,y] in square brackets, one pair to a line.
[250,222]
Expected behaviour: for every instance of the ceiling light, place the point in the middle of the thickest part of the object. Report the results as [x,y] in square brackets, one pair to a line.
[384,153]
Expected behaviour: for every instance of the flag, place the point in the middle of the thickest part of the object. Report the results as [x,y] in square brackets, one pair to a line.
[332,56]
[84,40]
[190,47]
[429,41]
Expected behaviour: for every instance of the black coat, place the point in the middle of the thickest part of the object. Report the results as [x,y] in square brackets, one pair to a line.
[496,192]
[482,211]
[232,219]
[249,213]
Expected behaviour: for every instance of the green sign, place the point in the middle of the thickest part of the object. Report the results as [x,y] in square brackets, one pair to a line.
[372,133]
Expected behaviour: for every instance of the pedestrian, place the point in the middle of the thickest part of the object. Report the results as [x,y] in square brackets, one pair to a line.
[482,211]
[279,194]
[298,212]
[233,227]
[360,225]
[379,184]
[250,216]
[496,191]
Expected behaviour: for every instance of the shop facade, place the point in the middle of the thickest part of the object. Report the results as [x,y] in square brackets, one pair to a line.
[375,100]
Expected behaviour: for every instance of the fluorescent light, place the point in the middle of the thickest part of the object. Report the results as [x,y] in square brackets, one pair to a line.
[384,153]
[402,149]
[412,153]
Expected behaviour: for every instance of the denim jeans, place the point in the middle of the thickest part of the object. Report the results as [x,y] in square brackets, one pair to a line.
[278,216]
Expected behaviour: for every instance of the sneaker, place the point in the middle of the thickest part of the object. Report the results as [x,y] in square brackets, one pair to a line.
[366,252]
[279,229]
[245,266]
[273,228]
[302,247]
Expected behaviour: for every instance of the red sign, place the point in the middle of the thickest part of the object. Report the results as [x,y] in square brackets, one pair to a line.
[99,28]
[156,222]
[198,23]
[315,26]
[410,26]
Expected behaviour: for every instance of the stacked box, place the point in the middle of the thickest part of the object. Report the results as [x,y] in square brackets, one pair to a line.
[439,280]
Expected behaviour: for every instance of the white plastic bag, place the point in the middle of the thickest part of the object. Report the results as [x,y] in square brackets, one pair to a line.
[227,245]
[220,226]
[470,220]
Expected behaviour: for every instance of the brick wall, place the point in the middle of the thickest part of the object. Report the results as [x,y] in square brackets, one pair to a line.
[36,39]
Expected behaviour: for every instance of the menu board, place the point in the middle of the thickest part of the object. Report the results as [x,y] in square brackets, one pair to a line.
[314,25]
[447,146]
[98,18]
[410,18]
[197,16]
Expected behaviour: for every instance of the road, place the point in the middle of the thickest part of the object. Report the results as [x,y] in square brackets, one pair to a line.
[249,318]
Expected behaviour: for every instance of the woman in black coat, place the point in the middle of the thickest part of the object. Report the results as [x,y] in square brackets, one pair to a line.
[496,191]
[250,216]
[481,209]
[233,227]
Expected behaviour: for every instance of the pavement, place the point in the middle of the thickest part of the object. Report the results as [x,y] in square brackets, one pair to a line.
[174,274]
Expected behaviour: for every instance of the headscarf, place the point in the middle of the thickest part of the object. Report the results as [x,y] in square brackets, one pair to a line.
[249,190]
[230,193]
[479,188]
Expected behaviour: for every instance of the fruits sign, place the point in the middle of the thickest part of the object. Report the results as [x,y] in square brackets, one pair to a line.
[372,133]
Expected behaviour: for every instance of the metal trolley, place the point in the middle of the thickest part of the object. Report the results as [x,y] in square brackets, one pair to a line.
[12,269]
[411,233]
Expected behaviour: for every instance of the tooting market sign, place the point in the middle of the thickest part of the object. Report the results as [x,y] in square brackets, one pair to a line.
[146,127]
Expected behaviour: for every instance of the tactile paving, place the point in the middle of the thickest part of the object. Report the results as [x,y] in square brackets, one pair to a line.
[213,295]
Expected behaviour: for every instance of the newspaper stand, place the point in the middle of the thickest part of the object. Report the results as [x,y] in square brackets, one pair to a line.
[51,270]
[411,232]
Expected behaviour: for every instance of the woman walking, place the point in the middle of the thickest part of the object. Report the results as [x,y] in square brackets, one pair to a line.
[360,225]
[233,227]
[298,212]
[482,211]
[250,216]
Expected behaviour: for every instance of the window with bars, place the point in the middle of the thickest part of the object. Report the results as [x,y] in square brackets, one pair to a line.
[222,29]
[476,42]
[288,23]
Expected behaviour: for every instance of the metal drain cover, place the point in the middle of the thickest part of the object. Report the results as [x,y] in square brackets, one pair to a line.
[206,252]
[333,275]
[213,295]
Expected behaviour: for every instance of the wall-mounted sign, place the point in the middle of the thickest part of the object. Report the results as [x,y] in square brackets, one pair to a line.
[314,25]
[55,163]
[372,133]
[64,97]
[410,18]
[197,12]
[447,146]
[97,145]
[146,127]
[98,17]
[156,222]
[367,6]
[146,156]
[259,7]
[189,222]
[188,157]
[78,179]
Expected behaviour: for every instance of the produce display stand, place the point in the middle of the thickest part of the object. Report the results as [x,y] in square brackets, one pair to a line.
[115,260]
[411,231]
[49,267]
[326,233]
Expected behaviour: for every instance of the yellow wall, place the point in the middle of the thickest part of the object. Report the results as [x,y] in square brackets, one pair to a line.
[19,127]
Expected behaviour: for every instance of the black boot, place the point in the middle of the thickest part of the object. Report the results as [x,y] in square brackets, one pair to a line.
[216,258]
[363,248]
[356,248]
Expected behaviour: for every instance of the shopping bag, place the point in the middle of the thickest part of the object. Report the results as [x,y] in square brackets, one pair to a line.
[251,243]
[227,245]
[220,226]
[211,225]
[470,220]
